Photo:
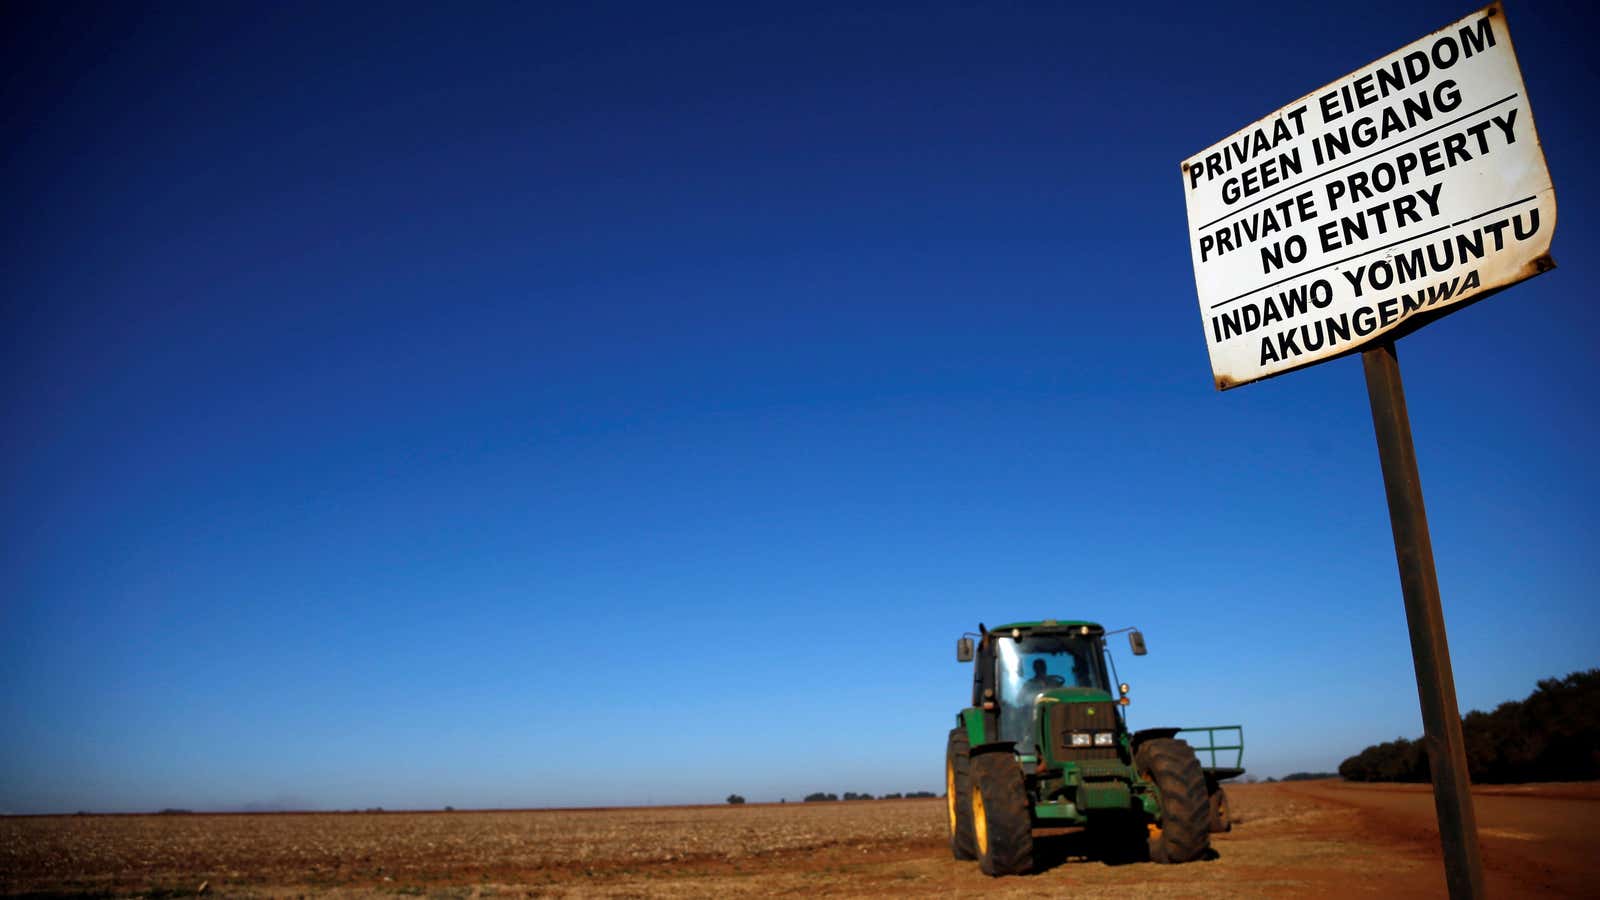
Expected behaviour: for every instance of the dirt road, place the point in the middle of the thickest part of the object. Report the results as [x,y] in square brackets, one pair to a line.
[1303,840]
[1535,839]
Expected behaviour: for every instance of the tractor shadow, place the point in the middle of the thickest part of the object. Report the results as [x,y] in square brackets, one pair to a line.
[1059,847]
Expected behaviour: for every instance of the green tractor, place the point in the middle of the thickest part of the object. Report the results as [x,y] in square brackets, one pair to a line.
[1045,744]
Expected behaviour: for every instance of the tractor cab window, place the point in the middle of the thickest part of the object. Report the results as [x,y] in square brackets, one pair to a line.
[1034,664]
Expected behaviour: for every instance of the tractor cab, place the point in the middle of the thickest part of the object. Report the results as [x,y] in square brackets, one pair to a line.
[1025,666]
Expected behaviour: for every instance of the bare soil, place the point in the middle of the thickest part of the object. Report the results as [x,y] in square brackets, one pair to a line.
[1303,839]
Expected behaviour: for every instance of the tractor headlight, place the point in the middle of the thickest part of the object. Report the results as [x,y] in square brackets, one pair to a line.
[1081,739]
[1105,739]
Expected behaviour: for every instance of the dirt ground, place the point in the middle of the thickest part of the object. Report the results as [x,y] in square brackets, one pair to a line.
[1305,839]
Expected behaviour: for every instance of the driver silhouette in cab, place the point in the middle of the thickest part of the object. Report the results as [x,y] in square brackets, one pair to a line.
[1042,679]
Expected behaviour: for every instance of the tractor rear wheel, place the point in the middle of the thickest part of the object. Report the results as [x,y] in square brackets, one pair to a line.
[1002,820]
[958,794]
[1221,817]
[1184,831]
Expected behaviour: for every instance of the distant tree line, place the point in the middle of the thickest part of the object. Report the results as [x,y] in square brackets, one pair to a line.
[1553,735]
[824,797]
[1309,776]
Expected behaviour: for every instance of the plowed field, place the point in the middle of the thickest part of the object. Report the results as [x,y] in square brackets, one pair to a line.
[1306,840]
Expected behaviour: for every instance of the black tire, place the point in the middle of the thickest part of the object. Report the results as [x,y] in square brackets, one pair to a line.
[1221,815]
[1184,832]
[1002,820]
[958,795]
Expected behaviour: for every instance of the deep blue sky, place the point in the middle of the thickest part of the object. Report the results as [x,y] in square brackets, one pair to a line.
[490,406]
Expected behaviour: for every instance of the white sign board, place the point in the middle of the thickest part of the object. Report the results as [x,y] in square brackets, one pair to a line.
[1370,206]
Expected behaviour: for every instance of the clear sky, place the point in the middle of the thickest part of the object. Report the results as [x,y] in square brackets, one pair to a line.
[490,406]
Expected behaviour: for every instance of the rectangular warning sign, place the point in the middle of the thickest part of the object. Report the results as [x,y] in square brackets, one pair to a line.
[1370,206]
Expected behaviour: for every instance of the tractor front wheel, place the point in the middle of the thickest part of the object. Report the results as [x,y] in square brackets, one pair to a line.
[1002,820]
[958,795]
[1184,831]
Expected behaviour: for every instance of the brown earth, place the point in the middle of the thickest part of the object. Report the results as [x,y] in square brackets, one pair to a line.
[1303,839]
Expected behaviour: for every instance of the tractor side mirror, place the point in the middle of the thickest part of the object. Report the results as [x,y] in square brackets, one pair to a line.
[964,650]
[1136,643]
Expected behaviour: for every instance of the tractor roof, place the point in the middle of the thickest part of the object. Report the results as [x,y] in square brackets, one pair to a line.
[1049,624]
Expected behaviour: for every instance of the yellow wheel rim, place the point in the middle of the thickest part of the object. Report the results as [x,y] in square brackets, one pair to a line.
[950,793]
[980,822]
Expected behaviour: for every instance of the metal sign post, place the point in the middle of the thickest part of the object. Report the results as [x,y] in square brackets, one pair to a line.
[1430,653]
[1398,194]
